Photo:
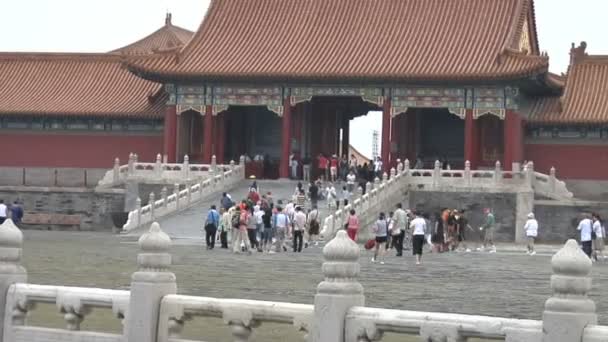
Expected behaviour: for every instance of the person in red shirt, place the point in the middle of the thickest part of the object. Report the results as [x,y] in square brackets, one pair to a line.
[334,168]
[322,162]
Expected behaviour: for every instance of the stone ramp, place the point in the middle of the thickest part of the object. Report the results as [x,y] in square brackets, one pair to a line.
[188,224]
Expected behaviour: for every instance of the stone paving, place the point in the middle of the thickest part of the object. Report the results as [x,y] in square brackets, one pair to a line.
[188,224]
[508,283]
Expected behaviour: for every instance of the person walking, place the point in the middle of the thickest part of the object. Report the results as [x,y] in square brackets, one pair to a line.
[600,234]
[333,167]
[352,225]
[313,193]
[531,229]
[381,231]
[3,211]
[211,224]
[488,227]
[267,233]
[331,197]
[418,226]
[281,224]
[252,225]
[351,179]
[299,226]
[345,196]
[306,168]
[258,213]
[585,226]
[16,213]
[400,226]
[313,225]
[226,201]
[225,226]
[242,237]
[322,164]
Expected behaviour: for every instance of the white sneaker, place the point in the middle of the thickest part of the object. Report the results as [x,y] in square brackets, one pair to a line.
[468,250]
[493,250]
[533,253]
[272,252]
[381,262]
[373,260]
[528,252]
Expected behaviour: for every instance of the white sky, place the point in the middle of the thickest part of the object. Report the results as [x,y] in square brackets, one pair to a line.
[103,25]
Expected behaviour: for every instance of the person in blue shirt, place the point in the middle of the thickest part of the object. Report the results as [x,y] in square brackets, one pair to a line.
[211,224]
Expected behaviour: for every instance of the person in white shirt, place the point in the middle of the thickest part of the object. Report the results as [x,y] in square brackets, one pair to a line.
[398,233]
[299,225]
[418,226]
[585,226]
[280,223]
[351,178]
[3,211]
[259,225]
[600,233]
[331,196]
[531,229]
[378,168]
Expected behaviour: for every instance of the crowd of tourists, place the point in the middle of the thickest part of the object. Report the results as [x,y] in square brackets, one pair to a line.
[333,168]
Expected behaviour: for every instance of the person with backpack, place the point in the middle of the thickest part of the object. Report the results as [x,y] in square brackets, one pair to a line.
[211,224]
[313,225]
[242,235]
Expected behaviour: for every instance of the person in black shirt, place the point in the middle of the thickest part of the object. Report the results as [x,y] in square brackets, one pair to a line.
[313,193]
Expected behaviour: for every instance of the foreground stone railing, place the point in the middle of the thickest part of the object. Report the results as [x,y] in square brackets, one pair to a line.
[183,199]
[382,195]
[159,172]
[152,311]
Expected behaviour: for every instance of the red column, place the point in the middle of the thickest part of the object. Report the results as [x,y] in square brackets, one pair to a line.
[395,139]
[208,134]
[285,140]
[220,140]
[471,139]
[297,127]
[170,133]
[513,139]
[386,132]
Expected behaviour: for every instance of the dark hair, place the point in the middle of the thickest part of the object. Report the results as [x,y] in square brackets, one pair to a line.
[381,216]
[213,206]
[224,194]
[352,211]
[399,205]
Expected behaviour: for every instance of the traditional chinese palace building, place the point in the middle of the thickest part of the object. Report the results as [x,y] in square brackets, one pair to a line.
[459,79]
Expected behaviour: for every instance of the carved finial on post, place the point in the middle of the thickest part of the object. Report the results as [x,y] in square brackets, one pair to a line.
[368,187]
[376,182]
[467,173]
[384,177]
[176,193]
[158,165]
[497,166]
[138,208]
[393,172]
[467,165]
[242,161]
[360,191]
[186,167]
[339,291]
[497,172]
[11,271]
[232,165]
[437,173]
[437,165]
[163,195]
[406,165]
[399,167]
[150,284]
[135,158]
[569,310]
[165,159]
[131,163]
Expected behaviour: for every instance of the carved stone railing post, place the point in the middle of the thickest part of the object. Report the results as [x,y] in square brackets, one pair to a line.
[186,167]
[406,165]
[399,167]
[393,173]
[340,290]
[151,200]
[165,159]
[131,164]
[497,173]
[116,171]
[467,173]
[213,168]
[430,332]
[158,166]
[569,310]
[163,195]
[437,173]
[11,271]
[232,165]
[176,193]
[528,175]
[135,158]
[552,180]
[138,208]
[242,161]
[149,285]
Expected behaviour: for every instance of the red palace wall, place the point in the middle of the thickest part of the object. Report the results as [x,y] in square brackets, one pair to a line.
[75,150]
[570,161]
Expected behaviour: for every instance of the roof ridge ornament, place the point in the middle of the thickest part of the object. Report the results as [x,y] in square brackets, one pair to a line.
[577,54]
[168,19]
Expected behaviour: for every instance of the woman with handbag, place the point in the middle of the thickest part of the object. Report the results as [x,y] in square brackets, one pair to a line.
[352,225]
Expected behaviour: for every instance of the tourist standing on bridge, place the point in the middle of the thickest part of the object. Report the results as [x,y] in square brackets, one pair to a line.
[281,224]
[600,234]
[531,230]
[488,228]
[352,225]
[400,226]
[381,231]
[299,226]
[224,227]
[242,238]
[211,224]
[585,226]
[419,227]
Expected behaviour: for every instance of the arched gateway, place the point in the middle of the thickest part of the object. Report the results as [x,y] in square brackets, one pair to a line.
[452,79]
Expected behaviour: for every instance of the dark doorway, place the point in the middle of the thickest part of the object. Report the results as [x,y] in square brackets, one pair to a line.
[440,137]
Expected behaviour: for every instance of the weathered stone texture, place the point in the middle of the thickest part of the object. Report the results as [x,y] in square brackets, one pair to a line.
[558,220]
[95,208]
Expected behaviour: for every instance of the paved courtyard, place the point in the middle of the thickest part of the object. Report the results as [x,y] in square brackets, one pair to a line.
[508,283]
